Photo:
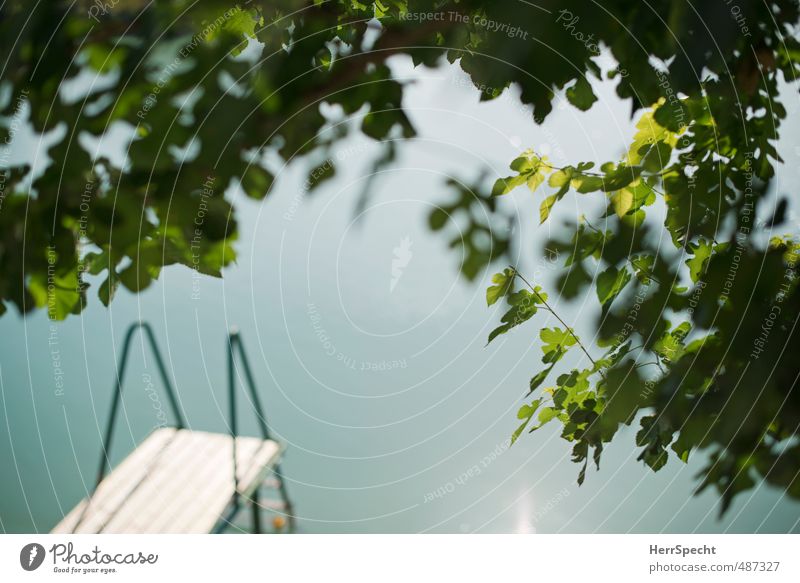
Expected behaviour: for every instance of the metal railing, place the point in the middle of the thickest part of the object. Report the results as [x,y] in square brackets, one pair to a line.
[234,345]
[126,347]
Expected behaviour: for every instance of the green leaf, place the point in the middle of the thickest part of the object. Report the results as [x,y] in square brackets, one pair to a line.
[643,267]
[670,346]
[241,23]
[643,194]
[536,179]
[503,285]
[658,157]
[598,451]
[108,288]
[538,173]
[582,474]
[523,307]
[648,135]
[610,283]
[518,431]
[546,207]
[622,200]
[585,184]
[621,389]
[505,185]
[58,293]
[581,95]
[701,250]
[540,377]
[378,125]
[438,219]
[525,412]
[619,177]
[104,59]
[546,415]
[320,174]
[257,182]
[561,178]
[95,263]
[138,276]
[631,198]
[672,115]
[555,343]
[522,164]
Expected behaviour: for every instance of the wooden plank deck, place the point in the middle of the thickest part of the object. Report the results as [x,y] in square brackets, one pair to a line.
[176,481]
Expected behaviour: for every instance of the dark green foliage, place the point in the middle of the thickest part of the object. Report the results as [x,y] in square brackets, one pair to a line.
[709,357]
[723,378]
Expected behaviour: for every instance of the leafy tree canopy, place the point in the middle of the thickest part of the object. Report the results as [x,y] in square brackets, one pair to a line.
[698,296]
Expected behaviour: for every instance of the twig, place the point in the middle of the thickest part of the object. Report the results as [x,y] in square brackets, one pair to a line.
[563,323]
[630,260]
[648,364]
[602,176]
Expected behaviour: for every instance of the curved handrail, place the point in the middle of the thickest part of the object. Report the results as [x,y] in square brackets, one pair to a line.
[234,343]
[148,332]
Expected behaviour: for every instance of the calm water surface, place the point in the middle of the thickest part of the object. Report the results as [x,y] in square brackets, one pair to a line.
[395,413]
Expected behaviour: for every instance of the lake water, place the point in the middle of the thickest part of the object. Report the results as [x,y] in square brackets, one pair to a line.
[396,415]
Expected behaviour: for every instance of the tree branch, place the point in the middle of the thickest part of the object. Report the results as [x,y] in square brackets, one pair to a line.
[560,319]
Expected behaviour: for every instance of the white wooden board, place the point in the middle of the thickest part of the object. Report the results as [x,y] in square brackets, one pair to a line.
[176,481]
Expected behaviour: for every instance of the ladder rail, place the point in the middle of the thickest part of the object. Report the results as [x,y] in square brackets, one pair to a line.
[235,345]
[173,401]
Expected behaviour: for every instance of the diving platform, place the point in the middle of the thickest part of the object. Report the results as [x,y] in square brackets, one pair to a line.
[180,480]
